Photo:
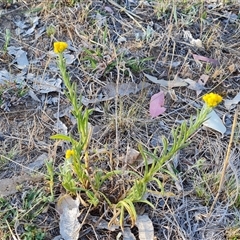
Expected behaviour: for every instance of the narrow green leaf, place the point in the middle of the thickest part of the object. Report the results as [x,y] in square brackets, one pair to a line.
[160,185]
[147,202]
[61,137]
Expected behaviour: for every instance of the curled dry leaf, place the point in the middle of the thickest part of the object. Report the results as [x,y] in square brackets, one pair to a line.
[145,227]
[68,209]
[214,122]
[195,42]
[229,103]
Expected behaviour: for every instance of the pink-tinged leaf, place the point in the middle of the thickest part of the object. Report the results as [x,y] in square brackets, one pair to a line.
[205,59]
[156,104]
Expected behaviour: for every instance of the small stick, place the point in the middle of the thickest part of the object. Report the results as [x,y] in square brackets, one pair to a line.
[225,164]
[129,13]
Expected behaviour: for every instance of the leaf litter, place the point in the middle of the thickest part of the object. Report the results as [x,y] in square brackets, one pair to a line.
[145,227]
[195,42]
[112,90]
[156,104]
[233,102]
[29,59]
[177,82]
[214,122]
[205,59]
[68,208]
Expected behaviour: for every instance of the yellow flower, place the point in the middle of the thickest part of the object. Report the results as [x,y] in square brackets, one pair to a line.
[69,153]
[212,99]
[59,47]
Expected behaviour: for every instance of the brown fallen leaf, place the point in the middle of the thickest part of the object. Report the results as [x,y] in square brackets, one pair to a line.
[232,68]
[132,156]
[218,72]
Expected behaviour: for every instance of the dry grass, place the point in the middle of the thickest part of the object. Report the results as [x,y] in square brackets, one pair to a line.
[113,45]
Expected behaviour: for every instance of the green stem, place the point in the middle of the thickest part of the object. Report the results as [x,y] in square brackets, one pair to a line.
[180,135]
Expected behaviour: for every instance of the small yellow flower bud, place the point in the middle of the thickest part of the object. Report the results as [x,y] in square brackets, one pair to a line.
[59,47]
[69,153]
[212,99]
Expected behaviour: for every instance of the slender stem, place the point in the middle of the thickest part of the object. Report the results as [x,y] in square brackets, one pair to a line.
[180,135]
[225,164]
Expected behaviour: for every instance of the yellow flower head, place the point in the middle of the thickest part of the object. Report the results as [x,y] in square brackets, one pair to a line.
[59,47]
[212,99]
[69,153]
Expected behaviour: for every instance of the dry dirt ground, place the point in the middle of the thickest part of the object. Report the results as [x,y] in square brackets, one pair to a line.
[112,46]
